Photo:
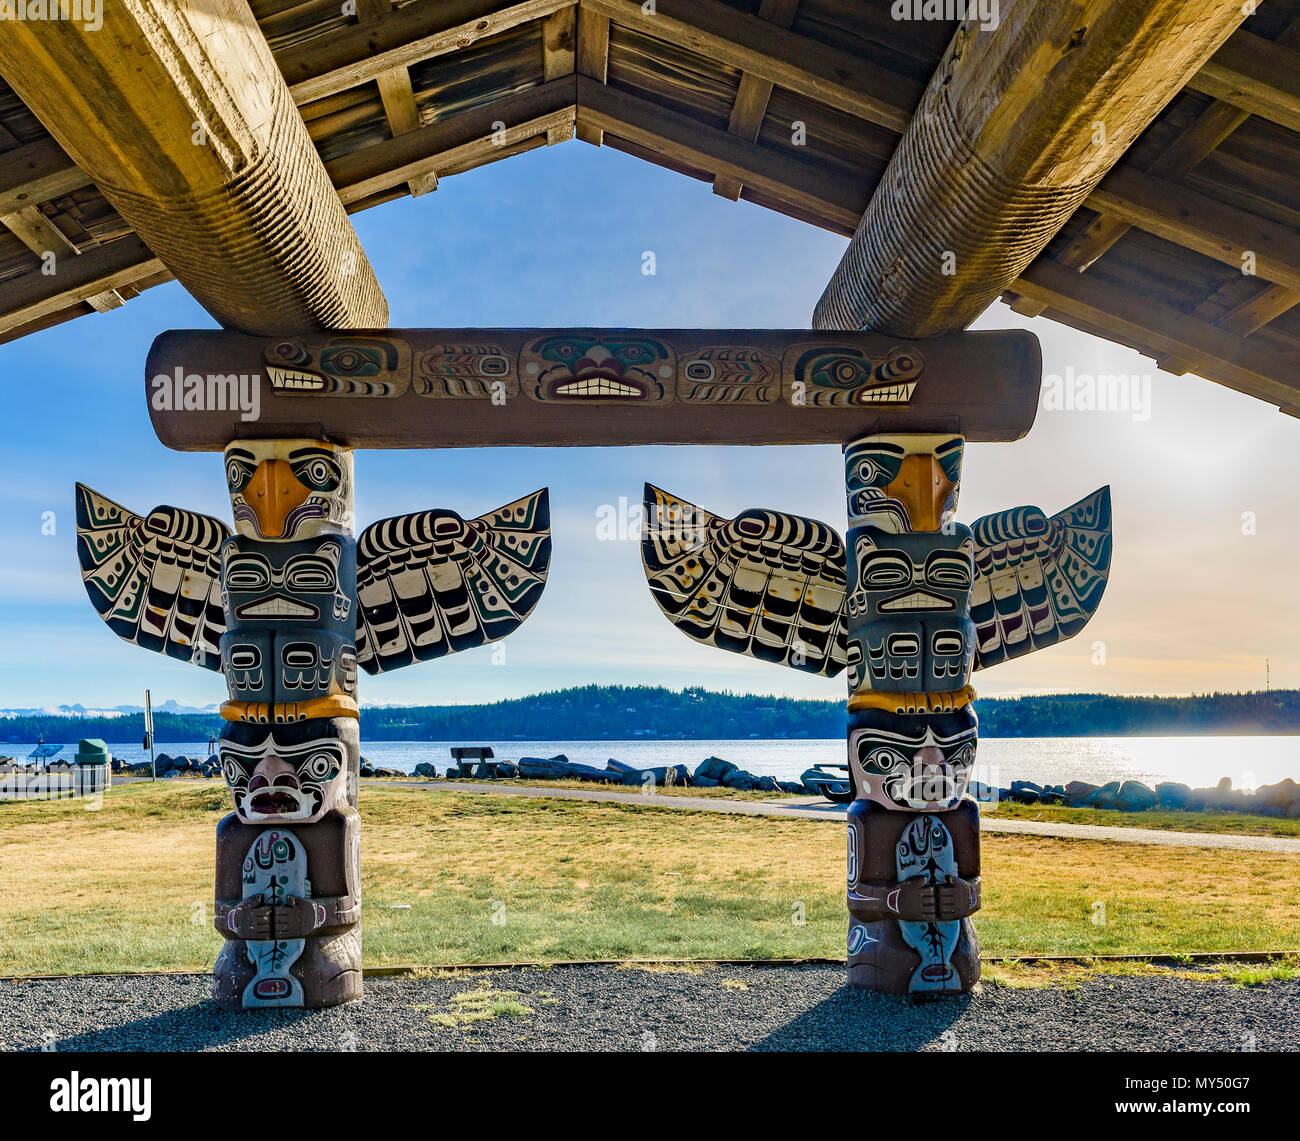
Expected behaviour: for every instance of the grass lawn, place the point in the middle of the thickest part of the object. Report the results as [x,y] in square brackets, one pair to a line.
[1238,823]
[498,878]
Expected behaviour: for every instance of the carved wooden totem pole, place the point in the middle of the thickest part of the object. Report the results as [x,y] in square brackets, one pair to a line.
[922,602]
[287,608]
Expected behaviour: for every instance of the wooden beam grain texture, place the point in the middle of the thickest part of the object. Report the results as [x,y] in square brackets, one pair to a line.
[180,116]
[1017,127]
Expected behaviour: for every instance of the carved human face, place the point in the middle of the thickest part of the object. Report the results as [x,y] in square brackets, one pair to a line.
[909,611]
[916,763]
[287,773]
[602,365]
[289,489]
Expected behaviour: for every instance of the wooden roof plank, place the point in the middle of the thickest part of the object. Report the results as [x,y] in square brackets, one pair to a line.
[753,94]
[1161,330]
[784,58]
[592,61]
[835,197]
[328,64]
[1257,75]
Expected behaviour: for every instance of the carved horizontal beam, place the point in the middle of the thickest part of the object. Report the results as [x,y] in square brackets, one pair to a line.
[455,388]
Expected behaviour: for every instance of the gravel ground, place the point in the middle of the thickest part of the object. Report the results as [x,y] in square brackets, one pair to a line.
[607,1008]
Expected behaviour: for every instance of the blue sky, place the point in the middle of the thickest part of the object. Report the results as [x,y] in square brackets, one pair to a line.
[1203,581]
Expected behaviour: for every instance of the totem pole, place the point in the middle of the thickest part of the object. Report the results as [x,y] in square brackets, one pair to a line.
[287,608]
[924,602]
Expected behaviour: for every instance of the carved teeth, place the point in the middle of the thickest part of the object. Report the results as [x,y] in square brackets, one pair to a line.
[917,600]
[287,379]
[596,386]
[888,394]
[277,606]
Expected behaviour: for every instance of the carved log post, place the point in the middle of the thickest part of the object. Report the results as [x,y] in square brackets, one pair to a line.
[913,835]
[289,857]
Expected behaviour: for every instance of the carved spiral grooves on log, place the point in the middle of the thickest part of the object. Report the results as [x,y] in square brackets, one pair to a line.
[941,196]
[270,244]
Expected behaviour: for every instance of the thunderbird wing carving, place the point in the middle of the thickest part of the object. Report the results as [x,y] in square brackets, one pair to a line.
[154,579]
[764,584]
[1037,579]
[432,583]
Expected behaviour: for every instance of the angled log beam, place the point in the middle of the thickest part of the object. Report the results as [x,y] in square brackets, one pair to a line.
[462,140]
[181,118]
[560,58]
[396,94]
[836,200]
[1207,131]
[592,61]
[753,94]
[1017,127]
[1160,330]
[1257,75]
[45,239]
[35,296]
[798,63]
[326,65]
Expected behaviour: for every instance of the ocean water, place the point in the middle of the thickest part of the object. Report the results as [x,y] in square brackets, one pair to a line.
[1197,761]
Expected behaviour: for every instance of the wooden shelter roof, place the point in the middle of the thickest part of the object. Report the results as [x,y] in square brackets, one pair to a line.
[404,94]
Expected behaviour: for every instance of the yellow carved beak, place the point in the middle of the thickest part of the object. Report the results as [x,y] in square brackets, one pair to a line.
[272,493]
[923,489]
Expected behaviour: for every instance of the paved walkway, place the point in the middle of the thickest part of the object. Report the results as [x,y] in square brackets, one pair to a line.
[812,808]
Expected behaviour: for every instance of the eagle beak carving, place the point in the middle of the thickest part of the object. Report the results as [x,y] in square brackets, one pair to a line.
[924,489]
[272,493]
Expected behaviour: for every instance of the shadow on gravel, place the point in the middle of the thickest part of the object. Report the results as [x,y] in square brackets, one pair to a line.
[197,1027]
[857,1019]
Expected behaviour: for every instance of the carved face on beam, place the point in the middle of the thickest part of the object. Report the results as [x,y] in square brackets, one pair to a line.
[290,773]
[845,376]
[904,483]
[338,366]
[289,489]
[919,763]
[910,611]
[603,366]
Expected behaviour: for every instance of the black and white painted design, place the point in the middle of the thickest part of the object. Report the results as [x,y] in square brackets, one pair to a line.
[432,583]
[154,579]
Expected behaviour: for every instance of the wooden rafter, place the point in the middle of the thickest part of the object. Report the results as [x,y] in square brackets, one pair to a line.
[836,199]
[1257,75]
[466,139]
[31,227]
[559,59]
[808,67]
[395,93]
[1158,329]
[753,94]
[592,61]
[329,64]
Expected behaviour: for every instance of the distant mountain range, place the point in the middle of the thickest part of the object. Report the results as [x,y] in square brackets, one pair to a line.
[79,710]
[617,713]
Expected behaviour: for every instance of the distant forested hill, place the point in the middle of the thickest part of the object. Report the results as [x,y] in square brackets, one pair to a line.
[598,712]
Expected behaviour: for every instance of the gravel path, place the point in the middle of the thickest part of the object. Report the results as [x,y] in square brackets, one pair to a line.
[608,1008]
